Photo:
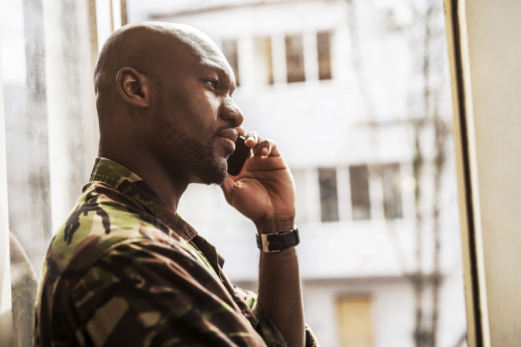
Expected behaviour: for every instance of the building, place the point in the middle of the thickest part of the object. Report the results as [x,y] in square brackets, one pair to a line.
[340,86]
[349,89]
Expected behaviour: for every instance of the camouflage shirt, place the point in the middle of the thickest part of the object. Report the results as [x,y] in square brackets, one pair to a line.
[124,270]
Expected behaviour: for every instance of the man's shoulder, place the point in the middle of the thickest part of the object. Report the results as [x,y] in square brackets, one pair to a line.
[102,219]
[103,242]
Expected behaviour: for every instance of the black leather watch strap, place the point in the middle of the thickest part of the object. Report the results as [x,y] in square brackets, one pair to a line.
[278,242]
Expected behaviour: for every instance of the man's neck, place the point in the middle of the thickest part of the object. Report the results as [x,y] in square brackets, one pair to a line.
[168,187]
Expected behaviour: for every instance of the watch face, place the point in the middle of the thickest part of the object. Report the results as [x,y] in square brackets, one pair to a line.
[270,243]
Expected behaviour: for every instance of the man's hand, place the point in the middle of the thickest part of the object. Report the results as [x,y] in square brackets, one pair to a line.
[264,191]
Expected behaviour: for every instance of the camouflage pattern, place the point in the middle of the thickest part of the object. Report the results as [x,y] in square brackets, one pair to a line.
[123,270]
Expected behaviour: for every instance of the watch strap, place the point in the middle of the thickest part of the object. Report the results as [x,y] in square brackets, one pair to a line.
[269,243]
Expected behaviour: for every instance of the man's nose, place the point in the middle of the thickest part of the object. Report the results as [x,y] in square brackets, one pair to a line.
[231,113]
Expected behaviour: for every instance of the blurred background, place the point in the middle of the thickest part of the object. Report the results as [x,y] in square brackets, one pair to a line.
[356,93]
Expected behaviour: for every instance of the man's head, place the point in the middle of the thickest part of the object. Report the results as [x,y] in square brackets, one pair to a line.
[163,91]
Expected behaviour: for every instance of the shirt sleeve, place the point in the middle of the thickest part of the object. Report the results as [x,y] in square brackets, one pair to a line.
[266,328]
[155,295]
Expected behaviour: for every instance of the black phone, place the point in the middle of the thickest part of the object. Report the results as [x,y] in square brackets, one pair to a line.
[238,158]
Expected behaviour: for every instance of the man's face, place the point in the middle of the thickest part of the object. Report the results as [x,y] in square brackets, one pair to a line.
[194,117]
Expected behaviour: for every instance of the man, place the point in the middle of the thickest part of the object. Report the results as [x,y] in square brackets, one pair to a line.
[125,269]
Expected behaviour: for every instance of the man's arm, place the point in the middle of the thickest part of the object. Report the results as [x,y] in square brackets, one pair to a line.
[264,192]
[280,294]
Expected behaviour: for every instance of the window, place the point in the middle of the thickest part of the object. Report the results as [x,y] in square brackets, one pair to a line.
[230,52]
[56,136]
[295,59]
[354,321]
[328,195]
[391,191]
[360,202]
[50,123]
[324,55]
[263,60]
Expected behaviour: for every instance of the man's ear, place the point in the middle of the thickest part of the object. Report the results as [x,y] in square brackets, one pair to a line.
[133,87]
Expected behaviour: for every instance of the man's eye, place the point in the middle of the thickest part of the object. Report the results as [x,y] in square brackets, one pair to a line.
[211,83]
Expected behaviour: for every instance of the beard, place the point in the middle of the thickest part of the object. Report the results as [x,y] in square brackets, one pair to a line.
[183,156]
[204,166]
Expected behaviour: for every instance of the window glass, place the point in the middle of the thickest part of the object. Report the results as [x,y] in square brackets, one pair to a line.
[295,58]
[26,118]
[230,52]
[263,60]
[48,104]
[324,55]
[27,155]
[391,182]
[354,319]
[390,81]
[360,201]
[328,194]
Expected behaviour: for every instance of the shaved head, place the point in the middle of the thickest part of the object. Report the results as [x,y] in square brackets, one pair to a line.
[147,47]
[163,96]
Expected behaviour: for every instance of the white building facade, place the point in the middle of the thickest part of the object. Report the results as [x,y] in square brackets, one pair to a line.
[337,85]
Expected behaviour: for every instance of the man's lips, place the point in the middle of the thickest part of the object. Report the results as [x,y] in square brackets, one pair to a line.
[227,138]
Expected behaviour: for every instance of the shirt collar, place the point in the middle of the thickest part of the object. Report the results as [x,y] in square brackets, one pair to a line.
[130,184]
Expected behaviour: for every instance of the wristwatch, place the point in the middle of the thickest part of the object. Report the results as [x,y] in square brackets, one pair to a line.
[270,243]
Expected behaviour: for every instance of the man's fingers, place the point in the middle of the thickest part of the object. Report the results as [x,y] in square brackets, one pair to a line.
[264,148]
[252,139]
[260,147]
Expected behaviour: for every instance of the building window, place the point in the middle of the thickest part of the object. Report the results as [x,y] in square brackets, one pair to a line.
[354,321]
[295,58]
[230,52]
[324,55]
[391,191]
[360,202]
[263,60]
[328,195]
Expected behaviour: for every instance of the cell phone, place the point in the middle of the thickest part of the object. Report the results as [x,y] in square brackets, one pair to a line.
[238,158]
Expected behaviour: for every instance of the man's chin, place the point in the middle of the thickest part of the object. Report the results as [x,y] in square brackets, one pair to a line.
[214,173]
